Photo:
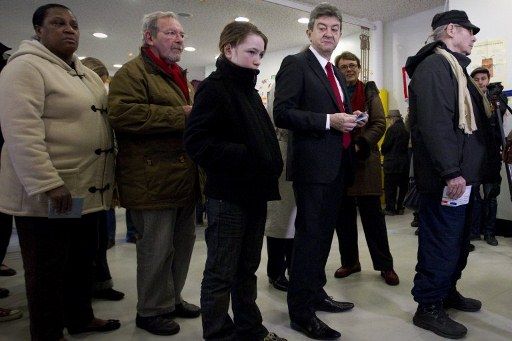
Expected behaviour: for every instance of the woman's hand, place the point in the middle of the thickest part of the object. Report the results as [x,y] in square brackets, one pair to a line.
[61,199]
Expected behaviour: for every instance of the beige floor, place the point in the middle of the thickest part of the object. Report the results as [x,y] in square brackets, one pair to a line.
[381,312]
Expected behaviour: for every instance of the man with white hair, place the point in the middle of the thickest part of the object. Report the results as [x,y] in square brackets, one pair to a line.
[149,101]
[449,131]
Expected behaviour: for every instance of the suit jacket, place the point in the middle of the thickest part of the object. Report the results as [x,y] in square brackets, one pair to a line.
[303,98]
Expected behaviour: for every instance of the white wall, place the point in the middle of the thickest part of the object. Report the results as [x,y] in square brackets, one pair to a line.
[403,38]
[195,73]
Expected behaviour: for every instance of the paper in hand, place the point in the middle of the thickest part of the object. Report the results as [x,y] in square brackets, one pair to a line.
[75,212]
[463,200]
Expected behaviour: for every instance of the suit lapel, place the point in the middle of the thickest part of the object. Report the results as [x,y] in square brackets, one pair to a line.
[314,64]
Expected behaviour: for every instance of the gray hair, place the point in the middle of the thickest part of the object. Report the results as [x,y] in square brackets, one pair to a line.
[323,10]
[149,22]
[437,34]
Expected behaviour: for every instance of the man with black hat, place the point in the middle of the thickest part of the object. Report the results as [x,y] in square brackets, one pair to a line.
[448,130]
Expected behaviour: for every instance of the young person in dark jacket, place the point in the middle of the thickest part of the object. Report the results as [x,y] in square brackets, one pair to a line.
[230,135]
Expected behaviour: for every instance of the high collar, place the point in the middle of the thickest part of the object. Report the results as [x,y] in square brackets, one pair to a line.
[427,50]
[240,75]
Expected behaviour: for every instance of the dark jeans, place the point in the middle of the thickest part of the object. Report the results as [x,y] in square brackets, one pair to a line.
[234,238]
[102,277]
[317,210]
[279,256]
[5,234]
[374,227]
[58,257]
[490,207]
[395,183]
[443,248]
[131,231]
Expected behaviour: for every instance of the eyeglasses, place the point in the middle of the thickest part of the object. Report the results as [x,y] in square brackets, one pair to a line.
[349,66]
[469,29]
[174,34]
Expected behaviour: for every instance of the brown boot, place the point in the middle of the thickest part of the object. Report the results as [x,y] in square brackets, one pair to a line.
[347,271]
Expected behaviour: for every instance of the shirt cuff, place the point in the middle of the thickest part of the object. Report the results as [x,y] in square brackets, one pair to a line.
[328,122]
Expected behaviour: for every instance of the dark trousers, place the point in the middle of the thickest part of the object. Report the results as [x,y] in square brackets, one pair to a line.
[443,248]
[58,257]
[279,252]
[374,227]
[234,238]
[317,210]
[395,183]
[102,277]
[5,234]
[475,224]
[131,231]
[490,207]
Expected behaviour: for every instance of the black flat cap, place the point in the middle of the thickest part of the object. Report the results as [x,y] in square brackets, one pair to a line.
[453,17]
[3,48]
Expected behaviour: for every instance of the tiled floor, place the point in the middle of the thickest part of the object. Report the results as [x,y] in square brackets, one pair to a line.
[381,312]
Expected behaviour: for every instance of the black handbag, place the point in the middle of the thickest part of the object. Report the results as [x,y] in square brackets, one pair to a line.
[412,198]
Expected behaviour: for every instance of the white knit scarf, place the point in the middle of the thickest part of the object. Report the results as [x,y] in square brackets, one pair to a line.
[466,114]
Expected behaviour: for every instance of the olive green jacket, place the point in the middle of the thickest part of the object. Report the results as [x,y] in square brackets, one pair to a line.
[368,178]
[145,109]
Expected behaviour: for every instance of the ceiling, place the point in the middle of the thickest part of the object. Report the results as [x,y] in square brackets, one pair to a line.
[121,21]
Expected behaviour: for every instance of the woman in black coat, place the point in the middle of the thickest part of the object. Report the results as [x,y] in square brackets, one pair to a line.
[230,135]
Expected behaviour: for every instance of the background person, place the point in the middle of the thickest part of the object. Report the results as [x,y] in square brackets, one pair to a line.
[230,136]
[365,193]
[51,133]
[394,148]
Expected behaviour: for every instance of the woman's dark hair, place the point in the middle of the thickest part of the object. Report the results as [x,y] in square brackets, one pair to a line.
[347,56]
[235,32]
[40,13]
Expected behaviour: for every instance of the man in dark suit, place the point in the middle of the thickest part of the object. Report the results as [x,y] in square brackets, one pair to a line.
[310,102]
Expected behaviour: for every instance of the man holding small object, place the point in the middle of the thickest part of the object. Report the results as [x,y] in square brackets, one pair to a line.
[449,130]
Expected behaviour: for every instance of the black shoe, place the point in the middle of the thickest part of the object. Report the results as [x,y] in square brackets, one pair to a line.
[459,302]
[491,240]
[434,318]
[281,283]
[111,243]
[314,328]
[158,325]
[400,211]
[109,326]
[4,292]
[331,306]
[415,222]
[108,294]
[7,271]
[185,310]
[471,247]
[417,231]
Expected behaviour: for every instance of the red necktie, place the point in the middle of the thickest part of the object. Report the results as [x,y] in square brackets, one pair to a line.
[339,102]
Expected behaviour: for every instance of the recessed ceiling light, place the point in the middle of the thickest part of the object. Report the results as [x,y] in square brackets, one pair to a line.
[303,20]
[130,54]
[184,15]
[118,65]
[190,49]
[244,19]
[81,57]
[100,35]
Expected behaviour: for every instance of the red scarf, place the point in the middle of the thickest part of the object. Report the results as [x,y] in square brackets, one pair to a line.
[173,70]
[358,99]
